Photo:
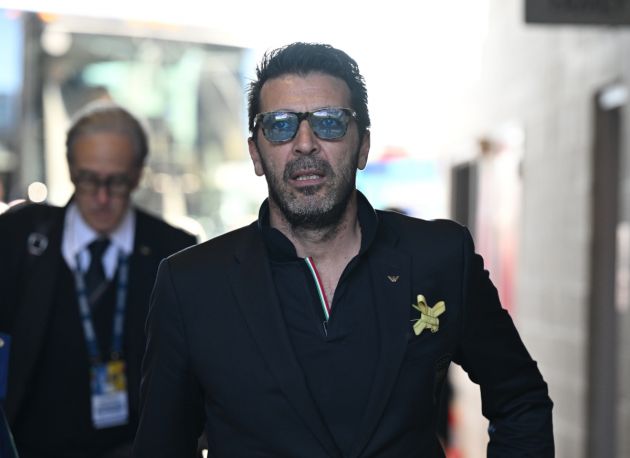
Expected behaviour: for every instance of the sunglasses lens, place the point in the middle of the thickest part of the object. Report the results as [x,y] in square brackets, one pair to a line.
[330,123]
[279,126]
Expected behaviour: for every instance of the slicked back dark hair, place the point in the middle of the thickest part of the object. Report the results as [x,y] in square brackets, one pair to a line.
[105,116]
[304,58]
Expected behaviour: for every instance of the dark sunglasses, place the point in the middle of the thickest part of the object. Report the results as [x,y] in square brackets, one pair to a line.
[326,123]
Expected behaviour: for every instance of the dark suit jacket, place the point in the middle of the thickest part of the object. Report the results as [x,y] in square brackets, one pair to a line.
[27,284]
[218,348]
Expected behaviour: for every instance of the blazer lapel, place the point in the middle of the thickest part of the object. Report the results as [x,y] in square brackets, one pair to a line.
[391,279]
[263,315]
[31,317]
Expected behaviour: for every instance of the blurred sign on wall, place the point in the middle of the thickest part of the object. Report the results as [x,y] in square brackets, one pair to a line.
[604,12]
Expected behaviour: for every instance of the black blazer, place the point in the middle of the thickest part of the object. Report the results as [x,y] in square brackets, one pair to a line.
[218,350]
[27,281]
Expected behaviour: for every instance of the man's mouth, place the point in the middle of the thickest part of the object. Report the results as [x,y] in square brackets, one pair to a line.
[307,172]
[304,176]
[308,176]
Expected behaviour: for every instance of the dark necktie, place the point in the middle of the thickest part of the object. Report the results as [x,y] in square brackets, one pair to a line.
[95,279]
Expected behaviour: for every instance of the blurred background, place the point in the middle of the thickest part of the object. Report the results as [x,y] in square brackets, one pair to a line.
[509,116]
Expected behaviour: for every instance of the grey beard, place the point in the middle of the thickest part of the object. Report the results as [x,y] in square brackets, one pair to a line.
[313,218]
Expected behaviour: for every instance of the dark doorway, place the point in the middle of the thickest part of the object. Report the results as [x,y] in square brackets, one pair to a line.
[603,334]
[464,194]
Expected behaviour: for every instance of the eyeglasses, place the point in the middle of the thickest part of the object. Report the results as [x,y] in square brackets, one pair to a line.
[326,123]
[115,185]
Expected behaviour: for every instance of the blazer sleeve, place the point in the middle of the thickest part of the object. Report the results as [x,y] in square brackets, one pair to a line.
[513,393]
[171,403]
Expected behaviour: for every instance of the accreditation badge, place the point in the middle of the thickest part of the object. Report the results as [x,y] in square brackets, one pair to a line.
[110,405]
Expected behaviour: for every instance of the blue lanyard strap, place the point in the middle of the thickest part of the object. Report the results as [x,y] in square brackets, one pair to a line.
[119,313]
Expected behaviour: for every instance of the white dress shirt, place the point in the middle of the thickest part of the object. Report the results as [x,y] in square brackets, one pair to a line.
[77,235]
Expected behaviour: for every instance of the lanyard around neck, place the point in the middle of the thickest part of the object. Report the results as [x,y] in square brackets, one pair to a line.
[119,313]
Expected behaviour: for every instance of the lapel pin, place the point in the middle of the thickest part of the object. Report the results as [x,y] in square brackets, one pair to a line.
[145,250]
[393,278]
[428,315]
[36,243]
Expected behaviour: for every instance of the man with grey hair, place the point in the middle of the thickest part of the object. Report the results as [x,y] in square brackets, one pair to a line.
[74,292]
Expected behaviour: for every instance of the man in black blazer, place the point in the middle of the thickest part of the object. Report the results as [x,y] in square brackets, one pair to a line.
[326,328]
[76,351]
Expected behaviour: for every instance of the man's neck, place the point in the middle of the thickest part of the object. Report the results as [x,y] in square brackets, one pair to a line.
[331,248]
[327,244]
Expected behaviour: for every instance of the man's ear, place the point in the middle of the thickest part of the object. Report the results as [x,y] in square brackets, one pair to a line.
[364,150]
[255,155]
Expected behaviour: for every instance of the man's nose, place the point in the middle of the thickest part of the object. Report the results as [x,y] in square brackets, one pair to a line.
[305,140]
[102,193]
